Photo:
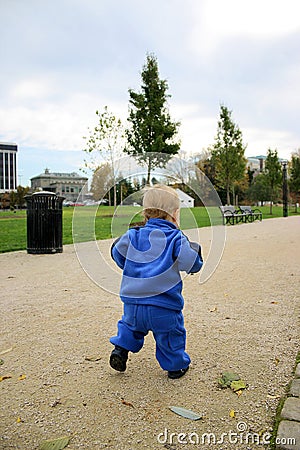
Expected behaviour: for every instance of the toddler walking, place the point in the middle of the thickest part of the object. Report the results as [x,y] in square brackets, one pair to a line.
[151,258]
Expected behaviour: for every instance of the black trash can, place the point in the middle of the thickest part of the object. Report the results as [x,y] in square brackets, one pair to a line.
[44,223]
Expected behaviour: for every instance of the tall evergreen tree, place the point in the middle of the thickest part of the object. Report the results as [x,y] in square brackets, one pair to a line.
[228,153]
[151,135]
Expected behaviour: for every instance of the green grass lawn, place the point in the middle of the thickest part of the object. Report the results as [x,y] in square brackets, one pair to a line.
[91,222]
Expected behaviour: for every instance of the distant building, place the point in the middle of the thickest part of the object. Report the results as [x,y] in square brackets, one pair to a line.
[186,201]
[8,167]
[256,163]
[68,185]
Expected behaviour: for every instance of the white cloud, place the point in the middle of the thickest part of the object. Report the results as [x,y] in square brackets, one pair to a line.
[218,20]
[30,89]
[55,125]
[260,140]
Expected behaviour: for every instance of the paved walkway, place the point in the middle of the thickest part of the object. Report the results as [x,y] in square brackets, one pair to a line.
[288,434]
[55,325]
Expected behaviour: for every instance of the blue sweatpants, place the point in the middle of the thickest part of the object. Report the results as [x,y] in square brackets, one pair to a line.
[168,330]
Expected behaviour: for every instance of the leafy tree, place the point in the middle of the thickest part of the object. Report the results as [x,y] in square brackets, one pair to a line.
[273,171]
[205,163]
[102,182]
[294,182]
[228,153]
[17,198]
[259,190]
[151,132]
[240,188]
[106,140]
[5,200]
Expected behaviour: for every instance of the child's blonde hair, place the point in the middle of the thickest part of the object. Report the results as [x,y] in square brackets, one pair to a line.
[161,202]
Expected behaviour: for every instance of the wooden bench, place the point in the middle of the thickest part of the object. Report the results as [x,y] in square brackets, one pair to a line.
[232,215]
[251,214]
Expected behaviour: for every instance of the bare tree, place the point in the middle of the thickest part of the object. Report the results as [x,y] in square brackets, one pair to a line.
[105,144]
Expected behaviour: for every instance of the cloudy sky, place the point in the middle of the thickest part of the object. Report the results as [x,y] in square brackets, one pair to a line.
[61,60]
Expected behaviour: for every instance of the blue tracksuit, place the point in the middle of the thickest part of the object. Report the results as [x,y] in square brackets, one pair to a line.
[151,258]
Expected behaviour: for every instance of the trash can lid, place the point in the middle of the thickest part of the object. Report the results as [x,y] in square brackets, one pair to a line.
[44,193]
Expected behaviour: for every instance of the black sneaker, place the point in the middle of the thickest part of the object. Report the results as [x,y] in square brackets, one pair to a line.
[177,373]
[118,358]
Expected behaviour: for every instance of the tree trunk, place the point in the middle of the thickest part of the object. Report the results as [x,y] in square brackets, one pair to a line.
[228,194]
[149,171]
[115,195]
[271,203]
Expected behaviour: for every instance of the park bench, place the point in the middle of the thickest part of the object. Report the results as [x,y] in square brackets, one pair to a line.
[251,214]
[232,215]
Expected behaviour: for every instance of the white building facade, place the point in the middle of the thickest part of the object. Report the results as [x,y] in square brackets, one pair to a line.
[8,167]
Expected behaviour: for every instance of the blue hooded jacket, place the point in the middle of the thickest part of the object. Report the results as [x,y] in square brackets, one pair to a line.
[151,258]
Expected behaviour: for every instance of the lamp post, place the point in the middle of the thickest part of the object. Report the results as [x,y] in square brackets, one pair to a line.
[284,189]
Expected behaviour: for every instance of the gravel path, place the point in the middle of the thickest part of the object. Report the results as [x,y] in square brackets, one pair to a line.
[55,324]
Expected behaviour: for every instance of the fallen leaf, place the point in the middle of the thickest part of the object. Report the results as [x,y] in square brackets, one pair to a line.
[55,444]
[6,351]
[227,378]
[22,377]
[5,377]
[232,413]
[188,414]
[127,403]
[1,362]
[19,420]
[238,385]
[277,360]
[92,358]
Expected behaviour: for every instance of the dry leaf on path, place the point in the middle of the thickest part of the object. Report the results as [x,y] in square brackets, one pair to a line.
[127,403]
[187,413]
[233,381]
[238,385]
[5,377]
[227,379]
[273,396]
[55,444]
[6,351]
[92,358]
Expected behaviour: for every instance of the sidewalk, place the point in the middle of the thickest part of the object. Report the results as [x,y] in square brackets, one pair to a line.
[55,326]
[288,432]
